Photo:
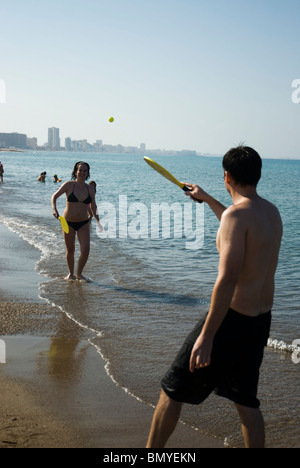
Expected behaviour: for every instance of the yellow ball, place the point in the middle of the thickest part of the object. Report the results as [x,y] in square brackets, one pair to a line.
[111,119]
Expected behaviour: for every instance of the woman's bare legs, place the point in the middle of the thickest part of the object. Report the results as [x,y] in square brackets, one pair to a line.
[70,251]
[83,235]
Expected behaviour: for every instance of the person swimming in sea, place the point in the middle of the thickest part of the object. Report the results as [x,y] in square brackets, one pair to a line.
[56,180]
[100,227]
[42,177]
[80,198]
[94,185]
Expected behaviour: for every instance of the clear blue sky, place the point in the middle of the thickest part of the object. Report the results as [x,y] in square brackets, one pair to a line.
[175,74]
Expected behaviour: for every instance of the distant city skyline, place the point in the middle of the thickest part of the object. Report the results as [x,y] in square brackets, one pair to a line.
[17,140]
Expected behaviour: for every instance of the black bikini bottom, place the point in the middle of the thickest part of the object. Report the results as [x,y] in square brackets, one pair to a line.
[78,225]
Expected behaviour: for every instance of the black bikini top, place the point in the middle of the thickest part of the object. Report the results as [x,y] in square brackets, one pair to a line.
[73,199]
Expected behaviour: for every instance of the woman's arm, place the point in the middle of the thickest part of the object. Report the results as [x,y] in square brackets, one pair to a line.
[63,189]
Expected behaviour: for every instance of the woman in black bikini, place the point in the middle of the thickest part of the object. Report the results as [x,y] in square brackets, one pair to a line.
[80,198]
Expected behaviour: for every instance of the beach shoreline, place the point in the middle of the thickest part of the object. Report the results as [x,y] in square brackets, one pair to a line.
[54,386]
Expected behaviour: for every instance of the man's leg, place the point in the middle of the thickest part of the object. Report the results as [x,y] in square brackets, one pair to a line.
[253,426]
[165,419]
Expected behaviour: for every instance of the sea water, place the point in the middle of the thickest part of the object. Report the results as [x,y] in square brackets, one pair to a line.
[152,281]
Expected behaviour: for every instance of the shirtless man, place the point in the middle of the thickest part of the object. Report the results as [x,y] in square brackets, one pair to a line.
[225,350]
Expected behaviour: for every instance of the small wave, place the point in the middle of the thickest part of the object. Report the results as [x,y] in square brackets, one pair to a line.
[98,334]
[71,317]
[110,375]
[36,235]
[280,345]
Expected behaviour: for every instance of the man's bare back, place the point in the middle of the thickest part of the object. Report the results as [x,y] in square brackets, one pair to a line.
[260,230]
[248,241]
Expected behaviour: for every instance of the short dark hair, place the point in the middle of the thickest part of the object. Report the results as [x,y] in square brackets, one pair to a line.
[80,163]
[244,165]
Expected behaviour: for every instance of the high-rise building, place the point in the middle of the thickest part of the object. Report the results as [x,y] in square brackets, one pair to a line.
[68,143]
[53,138]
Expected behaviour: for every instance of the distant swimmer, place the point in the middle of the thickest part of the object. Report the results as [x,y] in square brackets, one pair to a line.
[1,172]
[56,180]
[42,177]
[100,227]
[80,198]
[93,183]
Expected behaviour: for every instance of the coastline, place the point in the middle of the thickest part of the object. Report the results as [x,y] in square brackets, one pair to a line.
[55,390]
[11,150]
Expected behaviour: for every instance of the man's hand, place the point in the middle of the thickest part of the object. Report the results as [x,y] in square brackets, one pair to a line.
[196,193]
[201,353]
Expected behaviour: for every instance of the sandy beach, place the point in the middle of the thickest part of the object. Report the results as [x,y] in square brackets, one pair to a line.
[55,390]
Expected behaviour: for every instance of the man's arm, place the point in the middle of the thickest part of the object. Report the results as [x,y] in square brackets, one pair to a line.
[198,193]
[232,236]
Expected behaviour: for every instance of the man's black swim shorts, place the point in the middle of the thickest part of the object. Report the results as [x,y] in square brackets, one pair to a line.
[237,355]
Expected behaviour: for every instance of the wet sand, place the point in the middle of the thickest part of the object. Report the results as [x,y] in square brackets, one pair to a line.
[55,391]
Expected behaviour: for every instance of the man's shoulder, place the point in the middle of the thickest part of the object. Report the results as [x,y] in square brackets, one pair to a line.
[248,214]
[233,219]
[247,206]
[237,216]
[233,211]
